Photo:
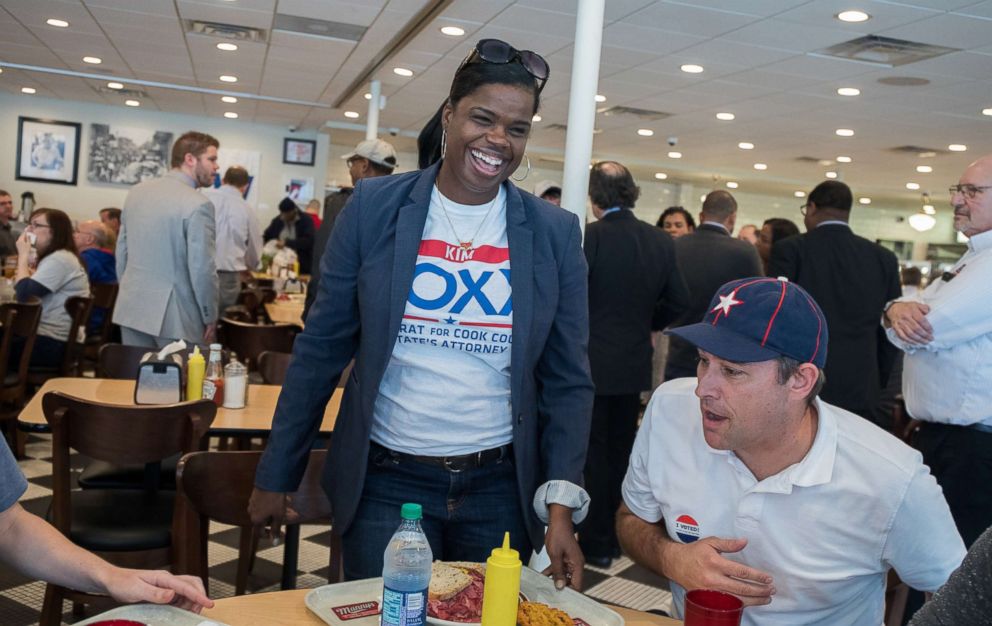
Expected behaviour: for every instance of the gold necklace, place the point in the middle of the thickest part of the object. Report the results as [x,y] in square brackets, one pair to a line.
[465,245]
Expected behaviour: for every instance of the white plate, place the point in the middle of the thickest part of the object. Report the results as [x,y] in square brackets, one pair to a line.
[153,615]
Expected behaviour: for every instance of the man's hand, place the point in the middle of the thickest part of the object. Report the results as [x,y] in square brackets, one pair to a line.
[909,321]
[698,565]
[158,587]
[269,510]
[209,332]
[563,550]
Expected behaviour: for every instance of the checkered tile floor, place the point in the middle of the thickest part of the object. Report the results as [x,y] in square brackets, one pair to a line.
[623,583]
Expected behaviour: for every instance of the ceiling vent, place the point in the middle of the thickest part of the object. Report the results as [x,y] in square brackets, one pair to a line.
[225,31]
[919,151]
[903,81]
[884,51]
[318,28]
[644,114]
[814,160]
[126,93]
[556,127]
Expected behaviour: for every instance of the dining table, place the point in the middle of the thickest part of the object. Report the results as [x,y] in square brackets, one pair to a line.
[286,311]
[254,419]
[287,608]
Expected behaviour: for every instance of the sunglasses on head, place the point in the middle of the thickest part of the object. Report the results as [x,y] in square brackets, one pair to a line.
[499,52]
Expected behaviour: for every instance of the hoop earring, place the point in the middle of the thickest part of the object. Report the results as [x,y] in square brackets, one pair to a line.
[526,174]
[444,142]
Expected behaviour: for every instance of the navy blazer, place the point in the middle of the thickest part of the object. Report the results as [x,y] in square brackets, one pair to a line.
[366,275]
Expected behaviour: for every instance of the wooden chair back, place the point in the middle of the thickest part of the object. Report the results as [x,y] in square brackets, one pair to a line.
[251,340]
[20,323]
[272,366]
[104,297]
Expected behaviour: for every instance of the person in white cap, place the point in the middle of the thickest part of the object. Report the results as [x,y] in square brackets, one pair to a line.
[370,158]
[548,190]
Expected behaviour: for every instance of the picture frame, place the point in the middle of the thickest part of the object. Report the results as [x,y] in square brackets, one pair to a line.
[299,151]
[47,150]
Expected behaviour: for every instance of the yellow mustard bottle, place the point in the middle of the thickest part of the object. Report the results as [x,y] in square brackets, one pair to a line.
[195,369]
[502,590]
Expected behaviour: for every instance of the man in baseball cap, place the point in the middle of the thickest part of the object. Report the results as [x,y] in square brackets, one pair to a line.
[372,157]
[744,481]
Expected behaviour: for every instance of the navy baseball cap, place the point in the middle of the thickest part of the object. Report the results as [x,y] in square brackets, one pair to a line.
[759,319]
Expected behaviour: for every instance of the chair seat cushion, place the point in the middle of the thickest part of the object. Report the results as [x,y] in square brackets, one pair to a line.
[104,475]
[112,520]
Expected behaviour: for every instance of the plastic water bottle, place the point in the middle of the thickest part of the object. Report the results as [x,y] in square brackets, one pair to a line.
[406,572]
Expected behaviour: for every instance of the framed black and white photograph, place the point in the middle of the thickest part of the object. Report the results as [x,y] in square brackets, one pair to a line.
[123,155]
[47,150]
[299,151]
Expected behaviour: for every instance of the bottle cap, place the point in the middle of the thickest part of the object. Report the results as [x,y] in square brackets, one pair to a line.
[505,555]
[215,346]
[196,352]
[411,510]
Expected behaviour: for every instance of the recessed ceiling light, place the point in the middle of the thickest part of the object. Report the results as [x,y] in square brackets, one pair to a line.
[912,186]
[368,96]
[93,60]
[848,91]
[844,132]
[674,155]
[957,147]
[231,115]
[351,114]
[536,118]
[731,184]
[57,23]
[28,90]
[227,47]
[452,31]
[746,145]
[853,16]
[600,98]
[645,132]
[660,175]
[929,210]
[831,175]
[229,79]
[402,71]
[799,194]
[843,159]
[229,99]
[761,166]
[726,117]
[113,85]
[986,111]
[924,169]
[864,200]
[132,103]
[691,68]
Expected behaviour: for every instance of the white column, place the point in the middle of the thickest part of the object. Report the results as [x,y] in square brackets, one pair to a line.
[582,107]
[372,120]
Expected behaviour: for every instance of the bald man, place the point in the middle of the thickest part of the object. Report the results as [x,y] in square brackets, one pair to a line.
[95,243]
[708,258]
[946,333]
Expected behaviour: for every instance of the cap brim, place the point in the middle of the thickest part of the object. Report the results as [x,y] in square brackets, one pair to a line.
[349,155]
[724,343]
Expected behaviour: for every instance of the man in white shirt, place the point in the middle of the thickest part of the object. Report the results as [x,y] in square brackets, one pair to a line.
[239,237]
[742,480]
[946,333]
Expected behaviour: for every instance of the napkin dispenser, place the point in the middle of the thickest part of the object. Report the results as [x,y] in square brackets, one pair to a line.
[160,378]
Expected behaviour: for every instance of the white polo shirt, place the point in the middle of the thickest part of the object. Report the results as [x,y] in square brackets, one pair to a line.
[827,529]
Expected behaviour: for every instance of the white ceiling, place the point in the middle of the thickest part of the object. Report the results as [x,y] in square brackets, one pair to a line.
[759,59]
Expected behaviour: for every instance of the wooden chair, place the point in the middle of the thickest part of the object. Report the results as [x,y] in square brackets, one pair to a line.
[251,340]
[272,366]
[132,528]
[79,312]
[104,297]
[20,323]
[217,486]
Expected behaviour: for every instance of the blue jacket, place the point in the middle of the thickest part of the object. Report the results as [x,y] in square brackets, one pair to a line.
[366,274]
[100,268]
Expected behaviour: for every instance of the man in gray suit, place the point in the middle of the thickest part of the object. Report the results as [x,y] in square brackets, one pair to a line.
[708,258]
[165,252]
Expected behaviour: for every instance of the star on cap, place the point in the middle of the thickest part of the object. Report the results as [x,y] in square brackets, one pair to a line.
[726,302]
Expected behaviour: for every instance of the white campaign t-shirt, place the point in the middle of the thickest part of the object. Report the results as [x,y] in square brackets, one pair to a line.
[446,389]
[64,275]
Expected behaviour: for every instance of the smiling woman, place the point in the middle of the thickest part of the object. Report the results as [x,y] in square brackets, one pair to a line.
[471,392]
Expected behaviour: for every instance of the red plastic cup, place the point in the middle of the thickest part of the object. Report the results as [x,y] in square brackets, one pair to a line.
[706,607]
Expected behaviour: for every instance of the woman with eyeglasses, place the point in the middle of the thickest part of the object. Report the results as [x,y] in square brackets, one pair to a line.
[463,301]
[56,275]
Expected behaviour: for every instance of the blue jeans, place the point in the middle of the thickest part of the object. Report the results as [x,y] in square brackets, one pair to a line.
[465,513]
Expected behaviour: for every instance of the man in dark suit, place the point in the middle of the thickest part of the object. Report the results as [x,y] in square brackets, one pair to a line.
[708,258]
[852,279]
[633,277]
